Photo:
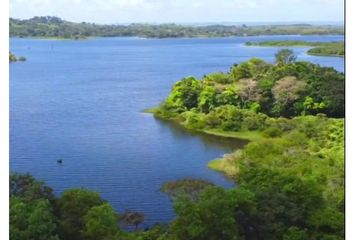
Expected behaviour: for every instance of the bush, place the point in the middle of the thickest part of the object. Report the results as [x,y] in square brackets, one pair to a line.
[272,132]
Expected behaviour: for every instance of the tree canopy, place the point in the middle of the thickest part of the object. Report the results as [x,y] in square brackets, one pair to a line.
[54,27]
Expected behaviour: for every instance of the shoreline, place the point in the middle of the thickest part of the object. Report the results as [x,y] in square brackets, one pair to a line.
[161,38]
[222,164]
[302,44]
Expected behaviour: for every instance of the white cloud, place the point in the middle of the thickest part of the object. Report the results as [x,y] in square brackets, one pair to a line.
[113,11]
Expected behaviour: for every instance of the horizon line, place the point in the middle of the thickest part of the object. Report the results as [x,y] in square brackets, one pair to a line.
[204,23]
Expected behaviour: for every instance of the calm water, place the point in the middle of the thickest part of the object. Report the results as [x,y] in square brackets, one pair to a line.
[81,101]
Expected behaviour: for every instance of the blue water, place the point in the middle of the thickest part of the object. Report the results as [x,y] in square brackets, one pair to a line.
[81,101]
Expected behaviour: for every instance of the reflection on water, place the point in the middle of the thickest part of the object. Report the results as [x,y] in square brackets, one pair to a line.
[229,144]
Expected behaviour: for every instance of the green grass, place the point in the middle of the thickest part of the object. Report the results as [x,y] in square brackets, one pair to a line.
[226,165]
[244,135]
[150,110]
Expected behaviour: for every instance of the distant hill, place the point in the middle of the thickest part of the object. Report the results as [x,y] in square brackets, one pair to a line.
[54,27]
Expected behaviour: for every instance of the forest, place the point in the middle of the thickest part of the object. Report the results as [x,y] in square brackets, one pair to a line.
[318,48]
[54,27]
[290,176]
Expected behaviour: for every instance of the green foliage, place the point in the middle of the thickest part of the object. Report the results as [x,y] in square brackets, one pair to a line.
[282,201]
[157,232]
[285,56]
[53,27]
[32,219]
[193,120]
[240,71]
[287,89]
[294,233]
[27,187]
[231,118]
[100,223]
[35,213]
[218,77]
[207,99]
[332,49]
[295,173]
[328,222]
[319,48]
[73,205]
[13,58]
[228,97]
[185,187]
[211,217]
[272,132]
[184,95]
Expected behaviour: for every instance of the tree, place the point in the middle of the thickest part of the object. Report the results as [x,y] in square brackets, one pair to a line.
[218,77]
[133,218]
[248,90]
[240,71]
[282,200]
[32,220]
[101,222]
[284,57]
[207,99]
[184,94]
[73,206]
[228,97]
[26,186]
[217,215]
[226,117]
[286,91]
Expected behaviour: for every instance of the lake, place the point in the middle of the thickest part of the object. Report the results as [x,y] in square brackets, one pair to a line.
[82,101]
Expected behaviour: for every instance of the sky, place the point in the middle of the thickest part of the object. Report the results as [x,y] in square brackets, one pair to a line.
[181,11]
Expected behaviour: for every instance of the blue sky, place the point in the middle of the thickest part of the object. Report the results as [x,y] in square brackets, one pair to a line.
[182,11]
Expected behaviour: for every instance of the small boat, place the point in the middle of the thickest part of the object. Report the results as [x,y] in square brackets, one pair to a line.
[60,161]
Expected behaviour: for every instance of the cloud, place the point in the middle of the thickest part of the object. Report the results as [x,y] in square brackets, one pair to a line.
[114,11]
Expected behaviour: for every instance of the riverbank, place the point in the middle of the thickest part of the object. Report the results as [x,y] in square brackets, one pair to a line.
[327,49]
[225,164]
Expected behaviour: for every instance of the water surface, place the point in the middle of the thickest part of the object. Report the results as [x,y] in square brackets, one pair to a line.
[81,101]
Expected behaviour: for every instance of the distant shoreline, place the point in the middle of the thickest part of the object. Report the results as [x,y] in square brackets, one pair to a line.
[197,37]
[327,49]
[44,27]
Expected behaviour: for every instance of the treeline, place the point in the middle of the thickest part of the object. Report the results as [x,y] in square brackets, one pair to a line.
[54,27]
[319,48]
[287,89]
[36,213]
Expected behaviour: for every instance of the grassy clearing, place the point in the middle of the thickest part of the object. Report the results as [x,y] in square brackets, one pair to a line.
[244,135]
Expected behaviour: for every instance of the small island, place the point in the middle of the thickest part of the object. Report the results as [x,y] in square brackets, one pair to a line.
[335,49]
[13,58]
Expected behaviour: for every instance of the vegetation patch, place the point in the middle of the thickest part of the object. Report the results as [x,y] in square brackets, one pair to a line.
[185,187]
[319,48]
[13,58]
[56,28]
